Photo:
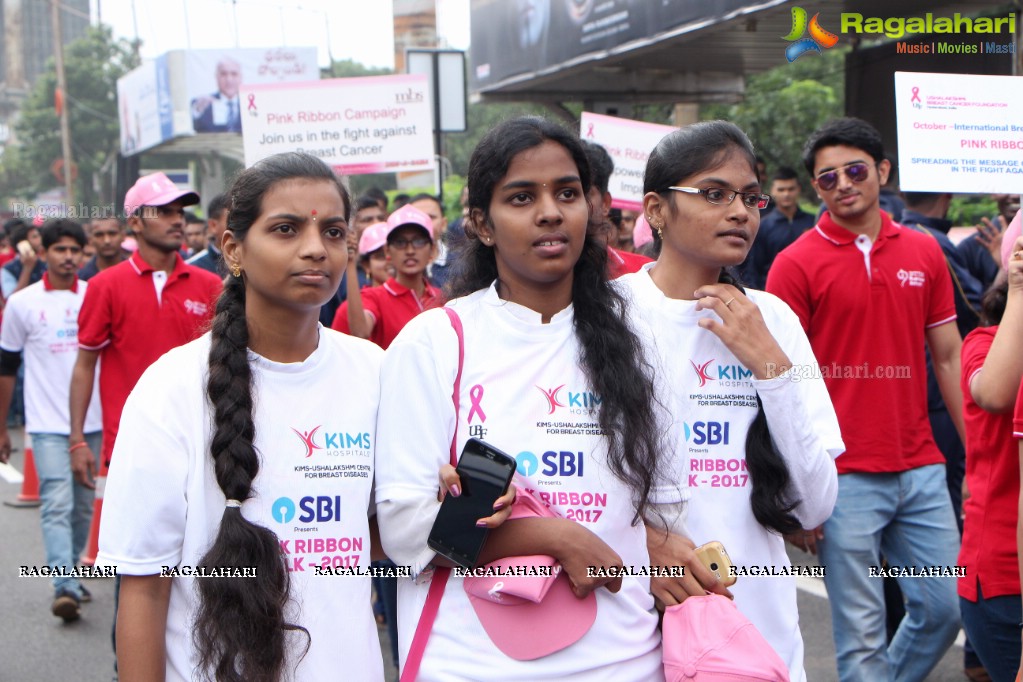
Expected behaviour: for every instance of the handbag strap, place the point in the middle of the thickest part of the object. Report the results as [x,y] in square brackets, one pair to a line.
[440,573]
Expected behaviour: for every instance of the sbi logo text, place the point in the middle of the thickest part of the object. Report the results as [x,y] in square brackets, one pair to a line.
[706,433]
[562,463]
[320,509]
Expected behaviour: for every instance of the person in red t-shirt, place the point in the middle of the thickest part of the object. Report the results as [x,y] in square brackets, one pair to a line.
[379,313]
[870,294]
[989,593]
[601,167]
[136,311]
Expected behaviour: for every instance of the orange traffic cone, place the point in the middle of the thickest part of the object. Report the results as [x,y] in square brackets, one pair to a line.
[29,495]
[88,557]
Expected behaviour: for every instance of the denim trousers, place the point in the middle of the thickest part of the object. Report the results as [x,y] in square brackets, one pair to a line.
[906,516]
[993,625]
[66,511]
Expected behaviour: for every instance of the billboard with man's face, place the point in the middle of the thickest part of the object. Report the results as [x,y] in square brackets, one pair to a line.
[214,76]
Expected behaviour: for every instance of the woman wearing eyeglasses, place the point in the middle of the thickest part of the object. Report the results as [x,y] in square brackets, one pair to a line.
[753,429]
[379,313]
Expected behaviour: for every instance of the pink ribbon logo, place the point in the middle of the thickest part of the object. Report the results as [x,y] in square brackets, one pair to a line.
[476,395]
[916,95]
[589,131]
[252,102]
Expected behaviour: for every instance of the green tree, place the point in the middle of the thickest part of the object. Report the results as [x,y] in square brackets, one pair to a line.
[92,65]
[348,68]
[783,105]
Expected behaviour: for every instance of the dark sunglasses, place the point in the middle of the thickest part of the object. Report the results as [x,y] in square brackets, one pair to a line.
[856,172]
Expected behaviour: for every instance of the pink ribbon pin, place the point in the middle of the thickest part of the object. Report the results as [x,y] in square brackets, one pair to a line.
[476,395]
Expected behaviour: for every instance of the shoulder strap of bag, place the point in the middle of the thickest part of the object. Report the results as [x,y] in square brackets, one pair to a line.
[440,573]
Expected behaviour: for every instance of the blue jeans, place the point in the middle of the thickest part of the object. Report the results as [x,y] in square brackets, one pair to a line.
[66,511]
[993,627]
[906,516]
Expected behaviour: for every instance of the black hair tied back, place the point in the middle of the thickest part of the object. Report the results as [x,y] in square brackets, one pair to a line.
[241,633]
[768,473]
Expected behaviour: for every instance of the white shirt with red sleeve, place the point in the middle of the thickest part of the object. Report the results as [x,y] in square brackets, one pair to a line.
[42,322]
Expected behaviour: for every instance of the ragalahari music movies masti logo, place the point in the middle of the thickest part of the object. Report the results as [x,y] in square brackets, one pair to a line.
[819,39]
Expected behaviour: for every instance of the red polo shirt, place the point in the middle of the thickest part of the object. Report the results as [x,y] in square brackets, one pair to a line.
[623,262]
[123,318]
[865,308]
[392,306]
[992,475]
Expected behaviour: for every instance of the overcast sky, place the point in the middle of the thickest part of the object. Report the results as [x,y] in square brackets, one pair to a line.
[361,30]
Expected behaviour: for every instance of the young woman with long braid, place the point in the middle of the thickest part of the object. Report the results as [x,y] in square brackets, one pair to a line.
[248,452]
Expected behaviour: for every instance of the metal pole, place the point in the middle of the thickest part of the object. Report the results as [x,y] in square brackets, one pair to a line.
[65,127]
[438,141]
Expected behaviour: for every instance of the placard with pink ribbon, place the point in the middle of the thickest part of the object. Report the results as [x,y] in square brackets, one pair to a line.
[374,124]
[960,133]
[629,143]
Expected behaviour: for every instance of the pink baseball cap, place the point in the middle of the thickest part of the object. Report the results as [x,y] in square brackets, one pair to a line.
[707,638]
[529,616]
[410,215]
[156,189]
[373,237]
[641,233]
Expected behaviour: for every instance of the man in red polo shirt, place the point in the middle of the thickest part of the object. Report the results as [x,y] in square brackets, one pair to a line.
[136,311]
[870,294]
[379,313]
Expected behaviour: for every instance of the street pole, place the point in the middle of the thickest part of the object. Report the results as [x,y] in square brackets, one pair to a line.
[65,127]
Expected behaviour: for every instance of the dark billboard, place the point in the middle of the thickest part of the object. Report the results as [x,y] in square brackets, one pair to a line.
[519,37]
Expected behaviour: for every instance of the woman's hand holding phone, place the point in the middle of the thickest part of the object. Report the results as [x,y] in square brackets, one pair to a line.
[450,484]
[669,549]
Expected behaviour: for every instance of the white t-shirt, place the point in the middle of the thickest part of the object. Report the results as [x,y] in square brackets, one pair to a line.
[43,323]
[711,399]
[315,433]
[513,363]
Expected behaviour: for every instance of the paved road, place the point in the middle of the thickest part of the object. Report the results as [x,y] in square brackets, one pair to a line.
[35,646]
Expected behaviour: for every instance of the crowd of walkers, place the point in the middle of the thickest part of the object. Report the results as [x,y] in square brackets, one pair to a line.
[282,387]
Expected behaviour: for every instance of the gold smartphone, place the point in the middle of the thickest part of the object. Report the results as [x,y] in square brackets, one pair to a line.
[25,249]
[715,558]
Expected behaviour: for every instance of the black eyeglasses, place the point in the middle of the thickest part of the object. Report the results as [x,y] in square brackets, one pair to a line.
[856,172]
[417,242]
[719,196]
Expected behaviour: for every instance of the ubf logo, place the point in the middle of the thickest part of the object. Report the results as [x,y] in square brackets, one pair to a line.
[819,37]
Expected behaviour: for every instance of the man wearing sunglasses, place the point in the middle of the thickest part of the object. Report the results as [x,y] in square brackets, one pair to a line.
[870,294]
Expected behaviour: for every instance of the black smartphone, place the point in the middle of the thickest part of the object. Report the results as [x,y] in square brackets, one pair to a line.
[485,474]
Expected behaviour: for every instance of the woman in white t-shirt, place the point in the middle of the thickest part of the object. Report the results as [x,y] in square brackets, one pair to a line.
[551,375]
[752,428]
[250,452]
